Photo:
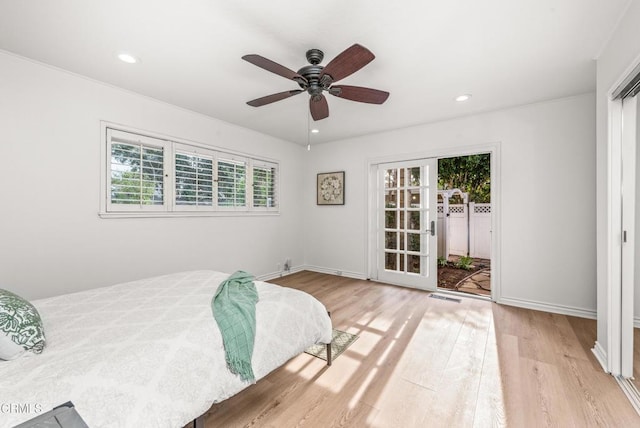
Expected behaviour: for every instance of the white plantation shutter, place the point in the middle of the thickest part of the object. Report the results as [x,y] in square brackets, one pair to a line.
[193,180]
[264,185]
[144,173]
[232,181]
[136,172]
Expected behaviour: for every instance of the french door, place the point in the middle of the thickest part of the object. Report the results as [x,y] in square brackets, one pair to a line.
[407,243]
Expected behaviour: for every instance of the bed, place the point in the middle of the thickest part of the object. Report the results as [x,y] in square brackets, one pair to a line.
[149,352]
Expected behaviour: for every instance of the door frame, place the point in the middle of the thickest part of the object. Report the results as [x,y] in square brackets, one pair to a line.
[444,152]
[619,313]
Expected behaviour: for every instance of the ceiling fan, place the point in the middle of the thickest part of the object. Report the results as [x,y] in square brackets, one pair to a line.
[316,78]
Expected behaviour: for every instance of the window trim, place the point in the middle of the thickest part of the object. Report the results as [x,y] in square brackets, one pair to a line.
[171,146]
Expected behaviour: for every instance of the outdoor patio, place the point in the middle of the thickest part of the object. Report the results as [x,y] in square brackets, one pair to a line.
[474,280]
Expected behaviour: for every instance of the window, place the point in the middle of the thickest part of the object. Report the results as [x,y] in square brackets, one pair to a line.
[232,183]
[136,172]
[194,180]
[264,186]
[146,174]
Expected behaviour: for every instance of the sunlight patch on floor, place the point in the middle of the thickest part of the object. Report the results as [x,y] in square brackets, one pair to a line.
[490,406]
[363,387]
[338,375]
[365,343]
[403,404]
[385,354]
[365,319]
[305,366]
[381,323]
[464,352]
[401,329]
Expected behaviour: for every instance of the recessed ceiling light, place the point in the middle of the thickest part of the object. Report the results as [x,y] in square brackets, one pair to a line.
[315,131]
[128,58]
[463,97]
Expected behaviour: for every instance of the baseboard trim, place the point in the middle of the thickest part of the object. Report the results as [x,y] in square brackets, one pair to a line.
[636,322]
[527,304]
[333,271]
[319,269]
[601,355]
[274,275]
[546,307]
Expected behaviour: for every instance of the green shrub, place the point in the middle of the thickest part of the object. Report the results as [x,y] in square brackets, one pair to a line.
[464,262]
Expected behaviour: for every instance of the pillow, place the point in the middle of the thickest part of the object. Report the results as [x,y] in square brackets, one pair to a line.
[20,327]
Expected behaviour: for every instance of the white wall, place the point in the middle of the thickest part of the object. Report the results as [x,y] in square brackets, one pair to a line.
[548,221]
[51,238]
[622,51]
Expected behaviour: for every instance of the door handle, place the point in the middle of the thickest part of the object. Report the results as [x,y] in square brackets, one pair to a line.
[432,230]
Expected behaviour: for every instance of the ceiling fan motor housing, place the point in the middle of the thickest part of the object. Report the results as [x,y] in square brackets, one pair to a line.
[312,74]
[314,86]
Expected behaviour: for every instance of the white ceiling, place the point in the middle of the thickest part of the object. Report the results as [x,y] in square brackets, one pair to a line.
[504,52]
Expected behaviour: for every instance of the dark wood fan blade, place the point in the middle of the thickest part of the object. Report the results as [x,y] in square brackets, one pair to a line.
[273,67]
[360,94]
[319,107]
[273,98]
[348,62]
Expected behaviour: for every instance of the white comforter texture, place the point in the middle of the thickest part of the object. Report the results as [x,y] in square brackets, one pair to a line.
[149,353]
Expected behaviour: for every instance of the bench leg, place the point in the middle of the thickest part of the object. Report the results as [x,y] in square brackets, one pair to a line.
[199,422]
[329,346]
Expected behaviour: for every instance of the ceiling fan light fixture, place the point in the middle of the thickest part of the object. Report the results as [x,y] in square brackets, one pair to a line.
[128,58]
[463,98]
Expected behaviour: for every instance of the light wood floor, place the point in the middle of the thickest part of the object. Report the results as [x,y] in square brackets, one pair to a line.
[425,362]
[636,358]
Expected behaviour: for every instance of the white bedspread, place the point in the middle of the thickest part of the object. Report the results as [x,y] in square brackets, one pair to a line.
[149,353]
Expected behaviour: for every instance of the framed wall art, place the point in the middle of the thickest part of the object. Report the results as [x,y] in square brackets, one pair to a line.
[330,188]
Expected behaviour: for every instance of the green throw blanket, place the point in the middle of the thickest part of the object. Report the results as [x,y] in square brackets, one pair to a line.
[234,308]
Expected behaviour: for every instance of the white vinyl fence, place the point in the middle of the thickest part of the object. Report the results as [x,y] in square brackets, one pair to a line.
[468,231]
